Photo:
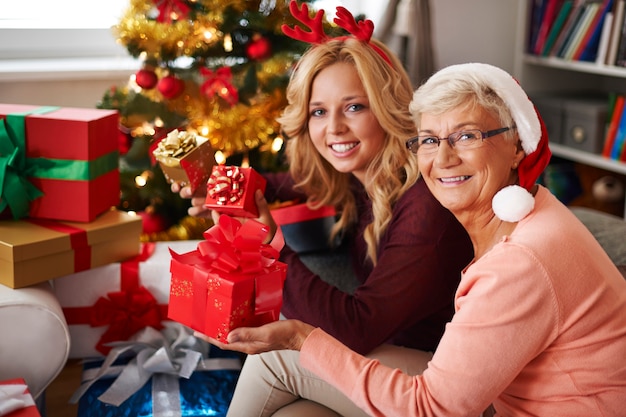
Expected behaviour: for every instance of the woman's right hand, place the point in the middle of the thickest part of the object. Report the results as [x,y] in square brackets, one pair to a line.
[278,335]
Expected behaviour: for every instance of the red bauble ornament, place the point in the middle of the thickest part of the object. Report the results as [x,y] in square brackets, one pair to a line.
[259,49]
[170,86]
[152,222]
[146,78]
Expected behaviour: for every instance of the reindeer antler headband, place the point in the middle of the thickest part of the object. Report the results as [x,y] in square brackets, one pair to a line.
[361,30]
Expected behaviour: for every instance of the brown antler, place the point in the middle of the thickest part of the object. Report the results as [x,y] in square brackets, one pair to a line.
[316,35]
[362,30]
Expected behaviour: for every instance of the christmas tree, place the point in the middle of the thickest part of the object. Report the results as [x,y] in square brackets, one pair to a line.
[212,67]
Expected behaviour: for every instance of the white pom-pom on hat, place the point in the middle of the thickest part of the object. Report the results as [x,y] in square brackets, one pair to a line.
[512,203]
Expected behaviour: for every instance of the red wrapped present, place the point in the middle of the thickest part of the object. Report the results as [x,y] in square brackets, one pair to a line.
[231,280]
[36,250]
[305,230]
[230,190]
[60,163]
[16,400]
[114,301]
[185,158]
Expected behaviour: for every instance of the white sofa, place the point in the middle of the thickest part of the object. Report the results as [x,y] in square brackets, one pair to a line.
[35,340]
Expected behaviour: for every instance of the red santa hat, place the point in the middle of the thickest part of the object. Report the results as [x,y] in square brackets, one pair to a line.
[514,202]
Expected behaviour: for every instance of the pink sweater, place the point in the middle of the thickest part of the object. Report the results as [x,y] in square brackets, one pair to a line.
[539,329]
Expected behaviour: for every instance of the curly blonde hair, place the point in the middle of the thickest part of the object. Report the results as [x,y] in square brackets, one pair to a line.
[391,173]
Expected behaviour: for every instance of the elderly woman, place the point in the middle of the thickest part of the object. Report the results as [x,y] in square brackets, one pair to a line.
[539,327]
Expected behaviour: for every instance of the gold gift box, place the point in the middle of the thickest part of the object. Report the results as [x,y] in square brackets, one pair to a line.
[185,158]
[33,250]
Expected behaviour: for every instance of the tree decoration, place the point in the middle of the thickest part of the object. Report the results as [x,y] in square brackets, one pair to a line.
[221,69]
[219,82]
[170,86]
[146,78]
[259,48]
[171,10]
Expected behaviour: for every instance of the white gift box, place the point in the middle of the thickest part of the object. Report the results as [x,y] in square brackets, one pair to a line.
[79,293]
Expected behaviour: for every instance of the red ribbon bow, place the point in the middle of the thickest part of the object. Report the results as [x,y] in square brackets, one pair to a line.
[125,312]
[219,82]
[169,9]
[225,185]
[232,247]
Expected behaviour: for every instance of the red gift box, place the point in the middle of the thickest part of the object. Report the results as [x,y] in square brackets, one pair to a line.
[15,396]
[231,280]
[230,190]
[305,230]
[68,162]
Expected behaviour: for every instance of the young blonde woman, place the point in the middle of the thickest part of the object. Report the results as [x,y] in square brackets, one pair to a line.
[347,122]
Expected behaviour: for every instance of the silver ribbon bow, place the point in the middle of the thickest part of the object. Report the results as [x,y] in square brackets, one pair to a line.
[165,357]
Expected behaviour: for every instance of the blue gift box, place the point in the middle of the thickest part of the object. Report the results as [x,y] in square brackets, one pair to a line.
[206,392]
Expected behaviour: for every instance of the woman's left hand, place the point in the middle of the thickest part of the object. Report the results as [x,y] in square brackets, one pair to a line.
[278,335]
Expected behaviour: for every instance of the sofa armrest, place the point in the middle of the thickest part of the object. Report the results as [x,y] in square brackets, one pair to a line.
[35,341]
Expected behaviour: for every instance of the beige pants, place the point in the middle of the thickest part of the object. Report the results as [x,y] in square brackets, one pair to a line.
[274,384]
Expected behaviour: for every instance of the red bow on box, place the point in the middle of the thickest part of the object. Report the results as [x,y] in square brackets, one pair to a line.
[233,247]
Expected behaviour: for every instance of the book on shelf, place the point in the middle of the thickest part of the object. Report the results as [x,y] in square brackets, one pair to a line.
[590,12]
[616,115]
[588,47]
[620,136]
[569,29]
[566,29]
[538,7]
[550,13]
[603,43]
[620,58]
[557,26]
[616,31]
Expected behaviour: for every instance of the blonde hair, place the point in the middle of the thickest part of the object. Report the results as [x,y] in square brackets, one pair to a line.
[391,173]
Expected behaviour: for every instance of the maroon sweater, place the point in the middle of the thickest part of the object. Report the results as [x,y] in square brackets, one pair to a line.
[407,298]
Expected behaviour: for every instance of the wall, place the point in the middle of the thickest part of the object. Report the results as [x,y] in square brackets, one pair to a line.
[463,31]
[476,31]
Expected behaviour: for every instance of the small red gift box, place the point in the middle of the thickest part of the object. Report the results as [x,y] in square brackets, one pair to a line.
[230,190]
[16,400]
[305,230]
[185,158]
[67,166]
[231,280]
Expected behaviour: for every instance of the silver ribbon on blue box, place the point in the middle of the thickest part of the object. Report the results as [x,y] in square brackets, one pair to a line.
[157,374]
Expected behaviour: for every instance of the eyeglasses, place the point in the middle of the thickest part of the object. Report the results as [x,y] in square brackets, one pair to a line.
[464,139]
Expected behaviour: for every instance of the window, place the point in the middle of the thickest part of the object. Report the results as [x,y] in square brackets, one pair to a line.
[44,30]
[37,29]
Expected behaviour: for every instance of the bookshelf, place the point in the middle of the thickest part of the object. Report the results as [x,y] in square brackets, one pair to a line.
[541,74]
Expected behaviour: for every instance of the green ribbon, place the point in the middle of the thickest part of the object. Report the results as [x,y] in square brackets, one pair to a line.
[16,191]
[67,169]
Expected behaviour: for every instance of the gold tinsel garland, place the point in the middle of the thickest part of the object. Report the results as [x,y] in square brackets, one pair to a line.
[189,228]
[231,129]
